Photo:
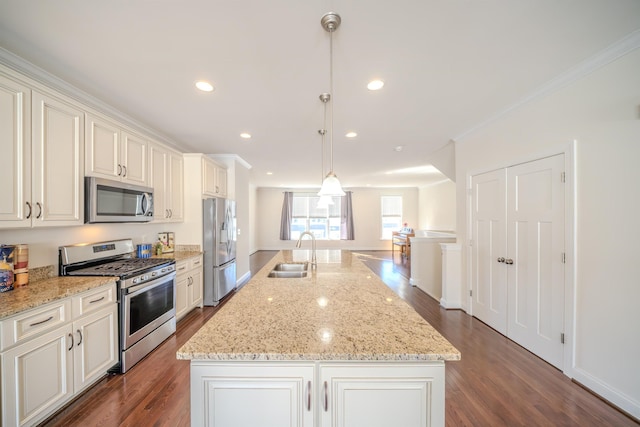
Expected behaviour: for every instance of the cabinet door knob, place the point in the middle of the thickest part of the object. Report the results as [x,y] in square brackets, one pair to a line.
[501,259]
[508,261]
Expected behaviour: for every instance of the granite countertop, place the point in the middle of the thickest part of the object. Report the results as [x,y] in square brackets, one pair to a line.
[179,255]
[342,311]
[39,292]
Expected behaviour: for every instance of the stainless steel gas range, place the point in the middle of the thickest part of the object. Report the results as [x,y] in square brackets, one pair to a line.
[146,293]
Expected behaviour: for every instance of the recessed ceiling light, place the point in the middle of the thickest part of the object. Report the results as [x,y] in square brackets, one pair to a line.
[351,134]
[398,148]
[375,85]
[245,135]
[204,86]
[269,173]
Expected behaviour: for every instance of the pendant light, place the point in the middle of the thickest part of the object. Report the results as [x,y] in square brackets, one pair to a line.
[330,185]
[325,200]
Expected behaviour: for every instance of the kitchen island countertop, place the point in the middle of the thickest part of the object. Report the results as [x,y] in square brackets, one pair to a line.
[341,311]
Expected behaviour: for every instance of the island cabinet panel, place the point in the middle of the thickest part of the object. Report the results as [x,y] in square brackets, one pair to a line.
[325,394]
[249,395]
[380,395]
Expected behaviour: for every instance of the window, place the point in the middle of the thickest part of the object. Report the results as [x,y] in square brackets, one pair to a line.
[391,214]
[324,223]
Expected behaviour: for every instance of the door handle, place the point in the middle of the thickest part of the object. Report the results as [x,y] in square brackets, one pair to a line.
[326,397]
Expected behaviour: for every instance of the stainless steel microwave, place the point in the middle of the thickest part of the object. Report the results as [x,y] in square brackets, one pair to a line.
[115,201]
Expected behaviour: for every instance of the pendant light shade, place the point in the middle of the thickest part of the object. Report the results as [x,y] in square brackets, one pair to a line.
[330,185]
[324,202]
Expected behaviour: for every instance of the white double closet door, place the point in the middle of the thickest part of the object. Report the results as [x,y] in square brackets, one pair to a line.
[517,265]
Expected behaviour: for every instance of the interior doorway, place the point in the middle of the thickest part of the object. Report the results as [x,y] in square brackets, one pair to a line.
[518,254]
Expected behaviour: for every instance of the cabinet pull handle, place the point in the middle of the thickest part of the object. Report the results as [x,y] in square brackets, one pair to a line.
[29,206]
[96,300]
[326,397]
[41,322]
[119,170]
[80,334]
[501,259]
[71,348]
[182,268]
[170,213]
[308,395]
[124,171]
[39,211]
[508,261]
[166,213]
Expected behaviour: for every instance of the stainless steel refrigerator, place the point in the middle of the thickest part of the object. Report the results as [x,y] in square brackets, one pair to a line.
[219,226]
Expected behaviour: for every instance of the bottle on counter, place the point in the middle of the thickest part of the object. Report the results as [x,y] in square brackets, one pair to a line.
[6,275]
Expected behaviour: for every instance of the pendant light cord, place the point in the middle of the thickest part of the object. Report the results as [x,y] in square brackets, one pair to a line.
[331,93]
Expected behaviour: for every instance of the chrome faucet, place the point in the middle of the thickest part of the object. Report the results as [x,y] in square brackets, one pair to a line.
[314,263]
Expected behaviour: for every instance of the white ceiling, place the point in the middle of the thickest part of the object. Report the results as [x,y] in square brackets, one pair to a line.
[448,66]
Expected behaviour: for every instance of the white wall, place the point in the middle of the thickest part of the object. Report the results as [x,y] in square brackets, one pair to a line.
[602,113]
[253,219]
[437,206]
[366,211]
[44,242]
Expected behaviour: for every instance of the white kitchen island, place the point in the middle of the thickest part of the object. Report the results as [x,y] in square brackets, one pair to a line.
[336,348]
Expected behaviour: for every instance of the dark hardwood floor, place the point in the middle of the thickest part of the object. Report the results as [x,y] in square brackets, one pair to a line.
[497,382]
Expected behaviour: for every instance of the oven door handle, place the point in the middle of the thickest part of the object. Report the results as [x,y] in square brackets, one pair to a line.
[134,290]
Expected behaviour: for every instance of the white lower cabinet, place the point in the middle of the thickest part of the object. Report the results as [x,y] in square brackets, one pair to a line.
[188,286]
[336,394]
[48,366]
[382,395]
[252,394]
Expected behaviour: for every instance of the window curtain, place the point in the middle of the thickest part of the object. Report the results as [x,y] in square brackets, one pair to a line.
[346,218]
[285,219]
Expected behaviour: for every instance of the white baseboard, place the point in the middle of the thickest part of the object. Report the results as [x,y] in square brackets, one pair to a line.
[616,397]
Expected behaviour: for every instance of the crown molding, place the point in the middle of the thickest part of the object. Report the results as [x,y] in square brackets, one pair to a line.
[615,51]
[48,80]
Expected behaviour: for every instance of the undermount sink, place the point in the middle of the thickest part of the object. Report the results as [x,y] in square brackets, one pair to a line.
[290,270]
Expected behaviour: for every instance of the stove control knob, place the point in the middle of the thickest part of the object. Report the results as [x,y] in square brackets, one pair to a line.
[135,280]
[145,277]
[155,273]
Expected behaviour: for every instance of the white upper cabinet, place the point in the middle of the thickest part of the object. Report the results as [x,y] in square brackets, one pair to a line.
[42,137]
[15,140]
[57,148]
[166,177]
[113,152]
[214,179]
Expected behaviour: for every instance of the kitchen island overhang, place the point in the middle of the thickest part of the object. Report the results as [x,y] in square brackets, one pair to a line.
[317,350]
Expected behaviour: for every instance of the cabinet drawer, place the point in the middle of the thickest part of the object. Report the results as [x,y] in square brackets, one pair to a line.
[93,300]
[195,262]
[31,323]
[182,267]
